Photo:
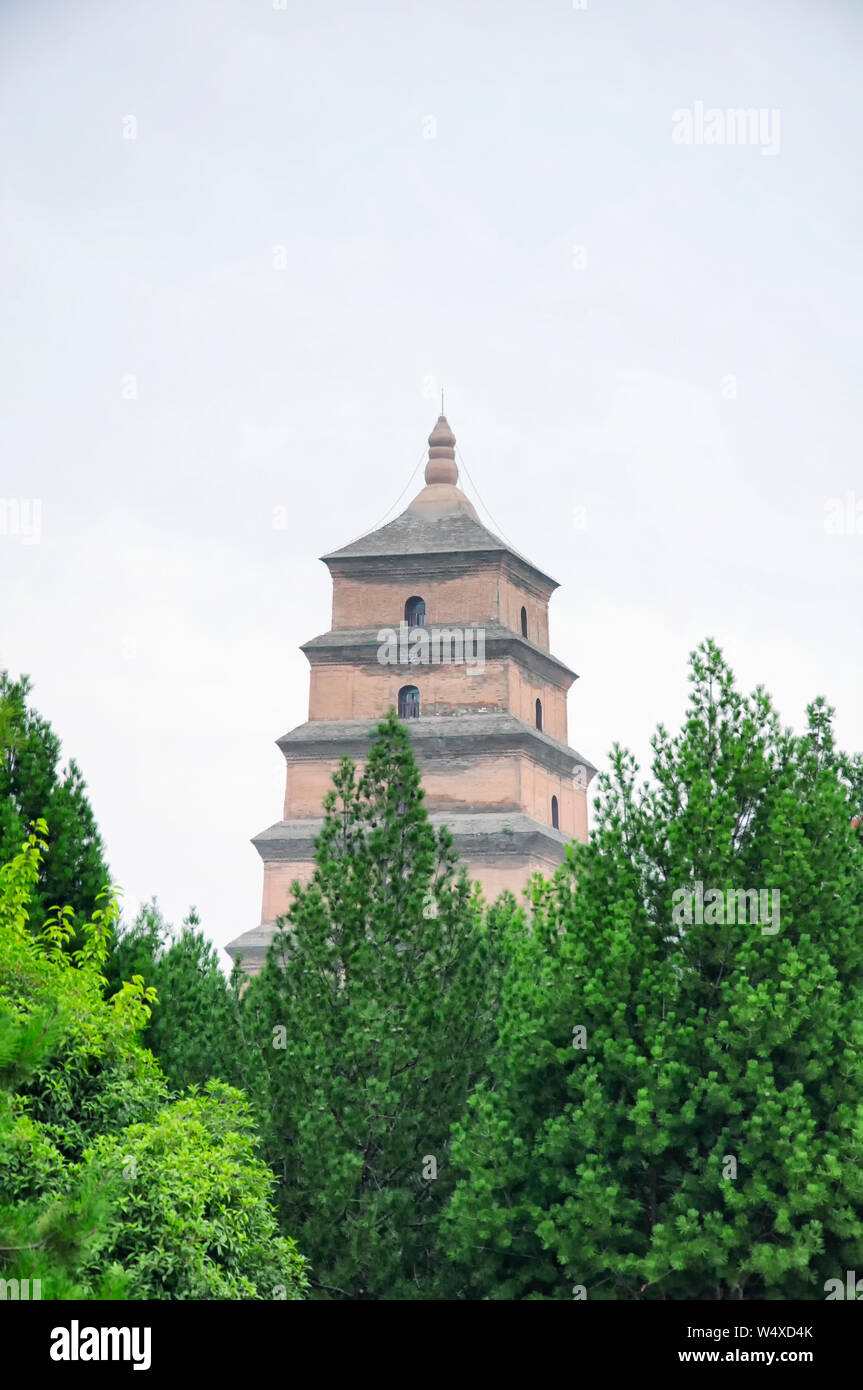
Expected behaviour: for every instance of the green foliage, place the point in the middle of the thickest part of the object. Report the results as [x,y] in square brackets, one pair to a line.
[32,786]
[194,1218]
[194,1029]
[77,1089]
[49,1212]
[101,1078]
[372,1018]
[459,1103]
[607,1165]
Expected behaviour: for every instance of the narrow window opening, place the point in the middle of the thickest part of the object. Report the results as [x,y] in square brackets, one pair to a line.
[524,622]
[415,611]
[409,702]
[555,816]
[539,714]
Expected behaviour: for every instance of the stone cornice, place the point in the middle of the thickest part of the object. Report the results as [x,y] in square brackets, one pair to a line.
[433,737]
[359,646]
[480,836]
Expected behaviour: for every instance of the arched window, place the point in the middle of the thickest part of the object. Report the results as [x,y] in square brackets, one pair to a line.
[409,702]
[555,815]
[415,611]
[524,622]
[539,714]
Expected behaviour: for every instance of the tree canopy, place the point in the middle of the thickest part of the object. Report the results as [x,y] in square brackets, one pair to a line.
[645,1083]
[33,786]
[675,1107]
[110,1184]
[373,1017]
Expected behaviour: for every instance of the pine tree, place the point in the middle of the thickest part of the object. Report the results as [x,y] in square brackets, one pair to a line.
[372,1016]
[33,786]
[676,1109]
[194,1028]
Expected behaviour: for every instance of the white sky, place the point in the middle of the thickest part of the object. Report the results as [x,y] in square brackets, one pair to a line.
[160,612]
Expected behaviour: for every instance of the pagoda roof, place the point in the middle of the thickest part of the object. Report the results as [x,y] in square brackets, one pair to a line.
[411,533]
[439,521]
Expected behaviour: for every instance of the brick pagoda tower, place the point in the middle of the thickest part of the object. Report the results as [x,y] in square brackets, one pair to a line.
[484,697]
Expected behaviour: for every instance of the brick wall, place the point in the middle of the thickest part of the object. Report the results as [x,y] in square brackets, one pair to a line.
[467,600]
[512,600]
[367,692]
[493,782]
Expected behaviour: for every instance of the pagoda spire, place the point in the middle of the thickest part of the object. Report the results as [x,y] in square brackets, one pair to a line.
[442,467]
[441,494]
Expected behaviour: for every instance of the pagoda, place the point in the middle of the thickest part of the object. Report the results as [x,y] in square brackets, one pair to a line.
[435,616]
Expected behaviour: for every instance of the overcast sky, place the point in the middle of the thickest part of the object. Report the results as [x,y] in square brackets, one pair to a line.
[245,245]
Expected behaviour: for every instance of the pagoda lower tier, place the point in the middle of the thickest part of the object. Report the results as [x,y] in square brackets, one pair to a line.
[490,778]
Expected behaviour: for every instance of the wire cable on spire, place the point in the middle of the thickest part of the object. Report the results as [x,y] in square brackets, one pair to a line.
[498,530]
[369,529]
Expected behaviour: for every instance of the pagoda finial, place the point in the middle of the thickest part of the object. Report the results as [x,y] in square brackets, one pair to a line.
[441,467]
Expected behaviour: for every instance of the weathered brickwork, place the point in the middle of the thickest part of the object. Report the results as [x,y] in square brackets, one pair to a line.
[478,782]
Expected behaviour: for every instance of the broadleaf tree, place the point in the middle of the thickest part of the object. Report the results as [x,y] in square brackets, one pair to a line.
[110,1186]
